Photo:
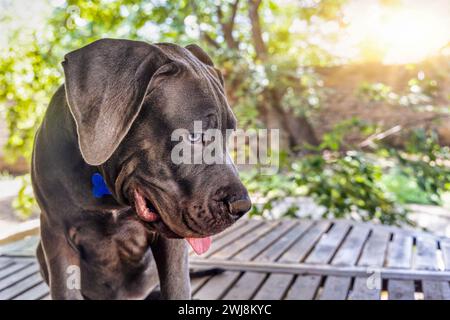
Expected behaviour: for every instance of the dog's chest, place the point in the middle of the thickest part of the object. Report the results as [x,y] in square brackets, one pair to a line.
[114,244]
[131,243]
[116,259]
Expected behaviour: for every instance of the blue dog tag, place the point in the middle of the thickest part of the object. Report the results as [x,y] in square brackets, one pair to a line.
[99,188]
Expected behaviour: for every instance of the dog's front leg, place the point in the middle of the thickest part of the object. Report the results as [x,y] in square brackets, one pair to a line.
[62,266]
[171,256]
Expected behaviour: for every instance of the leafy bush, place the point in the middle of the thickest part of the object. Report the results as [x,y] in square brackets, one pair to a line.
[376,92]
[270,190]
[424,162]
[404,188]
[348,187]
[25,203]
[418,92]
[354,184]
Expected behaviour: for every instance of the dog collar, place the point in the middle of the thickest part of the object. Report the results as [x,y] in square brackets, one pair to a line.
[99,187]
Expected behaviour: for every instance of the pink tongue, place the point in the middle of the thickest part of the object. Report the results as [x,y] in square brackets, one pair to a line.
[199,245]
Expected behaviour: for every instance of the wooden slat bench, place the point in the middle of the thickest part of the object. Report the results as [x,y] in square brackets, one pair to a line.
[290,259]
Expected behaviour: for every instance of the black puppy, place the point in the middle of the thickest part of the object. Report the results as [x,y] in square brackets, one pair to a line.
[114,117]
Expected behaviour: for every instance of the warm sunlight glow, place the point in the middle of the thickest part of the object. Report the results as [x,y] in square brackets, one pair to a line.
[410,36]
[401,34]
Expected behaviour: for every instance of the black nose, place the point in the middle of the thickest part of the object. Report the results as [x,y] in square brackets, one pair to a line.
[238,207]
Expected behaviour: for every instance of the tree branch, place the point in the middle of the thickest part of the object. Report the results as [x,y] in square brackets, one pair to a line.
[228,26]
[258,41]
[203,35]
[234,8]
[370,141]
[209,40]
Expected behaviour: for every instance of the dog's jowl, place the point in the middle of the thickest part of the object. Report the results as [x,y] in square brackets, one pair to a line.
[115,207]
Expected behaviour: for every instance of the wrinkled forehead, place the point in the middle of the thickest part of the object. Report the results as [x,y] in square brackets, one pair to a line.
[188,101]
[195,94]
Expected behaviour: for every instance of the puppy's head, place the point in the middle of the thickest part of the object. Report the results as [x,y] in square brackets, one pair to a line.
[127,99]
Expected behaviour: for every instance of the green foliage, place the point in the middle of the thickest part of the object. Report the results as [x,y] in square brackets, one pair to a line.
[348,186]
[334,140]
[418,92]
[404,188]
[25,81]
[423,162]
[268,190]
[25,204]
[376,92]
[354,184]
[31,69]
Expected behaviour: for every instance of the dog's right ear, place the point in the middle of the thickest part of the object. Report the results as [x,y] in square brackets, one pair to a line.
[106,82]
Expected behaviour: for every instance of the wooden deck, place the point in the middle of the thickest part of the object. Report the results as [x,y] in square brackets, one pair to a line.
[290,259]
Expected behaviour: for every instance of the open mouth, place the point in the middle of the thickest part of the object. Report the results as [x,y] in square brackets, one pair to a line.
[148,213]
[144,208]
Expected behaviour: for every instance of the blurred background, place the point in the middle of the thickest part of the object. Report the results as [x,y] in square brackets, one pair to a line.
[360,90]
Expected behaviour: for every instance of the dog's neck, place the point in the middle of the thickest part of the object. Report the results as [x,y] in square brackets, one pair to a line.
[59,163]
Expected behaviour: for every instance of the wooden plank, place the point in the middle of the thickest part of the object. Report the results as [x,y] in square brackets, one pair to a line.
[238,224]
[246,286]
[405,230]
[251,226]
[400,252]
[426,259]
[197,283]
[243,241]
[217,286]
[401,289]
[300,249]
[304,288]
[335,288]
[12,269]
[426,253]
[262,243]
[320,269]
[35,293]
[329,243]
[436,290]
[400,256]
[21,259]
[445,248]
[374,252]
[17,276]
[323,253]
[20,286]
[275,287]
[5,263]
[273,252]
[24,247]
[362,290]
[349,252]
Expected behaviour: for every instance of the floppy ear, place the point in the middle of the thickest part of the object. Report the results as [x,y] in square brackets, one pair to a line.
[201,55]
[106,82]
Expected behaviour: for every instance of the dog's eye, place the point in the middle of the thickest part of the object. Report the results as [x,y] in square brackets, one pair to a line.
[195,137]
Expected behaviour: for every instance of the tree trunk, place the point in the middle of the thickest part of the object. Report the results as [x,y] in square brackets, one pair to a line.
[258,41]
[295,130]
